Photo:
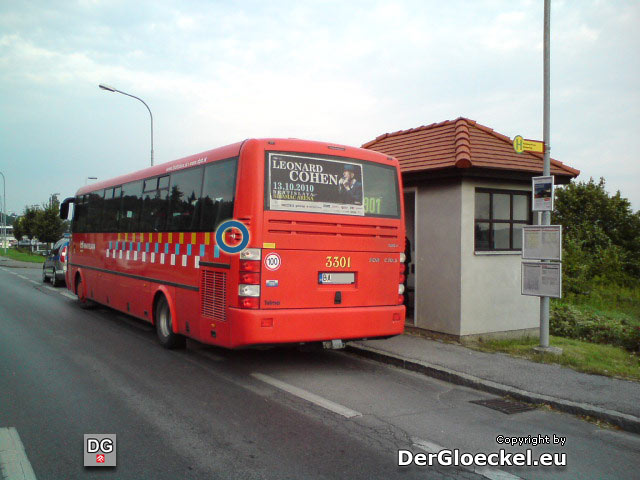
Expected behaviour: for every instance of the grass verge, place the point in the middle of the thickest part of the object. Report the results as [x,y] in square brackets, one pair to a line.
[22,256]
[581,356]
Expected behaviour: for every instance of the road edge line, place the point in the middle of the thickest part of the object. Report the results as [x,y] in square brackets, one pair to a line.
[487,472]
[308,396]
[14,463]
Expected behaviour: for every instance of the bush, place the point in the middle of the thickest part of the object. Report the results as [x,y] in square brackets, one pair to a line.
[583,324]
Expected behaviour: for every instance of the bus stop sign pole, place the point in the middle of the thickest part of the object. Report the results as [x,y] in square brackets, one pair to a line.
[546,215]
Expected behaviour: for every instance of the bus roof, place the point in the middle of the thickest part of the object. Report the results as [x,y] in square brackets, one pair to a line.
[233,150]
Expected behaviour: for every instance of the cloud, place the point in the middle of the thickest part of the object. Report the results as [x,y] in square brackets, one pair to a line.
[216,72]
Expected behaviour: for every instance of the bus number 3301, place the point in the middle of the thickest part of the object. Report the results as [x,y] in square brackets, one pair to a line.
[338,262]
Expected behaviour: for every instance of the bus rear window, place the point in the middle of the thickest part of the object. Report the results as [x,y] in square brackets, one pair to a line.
[334,185]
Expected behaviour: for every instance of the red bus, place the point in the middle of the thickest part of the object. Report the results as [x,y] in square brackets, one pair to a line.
[266,241]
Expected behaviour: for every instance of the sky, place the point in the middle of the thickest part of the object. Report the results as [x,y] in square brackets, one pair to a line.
[217,72]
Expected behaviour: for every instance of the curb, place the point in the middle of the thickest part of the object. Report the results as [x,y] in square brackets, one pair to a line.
[627,422]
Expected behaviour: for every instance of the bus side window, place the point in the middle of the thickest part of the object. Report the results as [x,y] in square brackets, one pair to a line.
[80,214]
[219,186]
[94,211]
[186,187]
[154,211]
[107,216]
[112,211]
[131,206]
[146,215]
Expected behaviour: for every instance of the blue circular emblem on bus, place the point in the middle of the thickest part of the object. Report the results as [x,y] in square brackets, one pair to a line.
[223,227]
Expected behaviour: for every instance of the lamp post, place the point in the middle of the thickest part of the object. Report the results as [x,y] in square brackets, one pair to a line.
[4,213]
[111,89]
[51,197]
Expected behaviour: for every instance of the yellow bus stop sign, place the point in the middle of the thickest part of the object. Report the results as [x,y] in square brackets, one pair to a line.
[523,145]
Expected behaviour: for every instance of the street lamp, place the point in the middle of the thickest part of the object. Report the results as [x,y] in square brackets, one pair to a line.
[111,89]
[4,214]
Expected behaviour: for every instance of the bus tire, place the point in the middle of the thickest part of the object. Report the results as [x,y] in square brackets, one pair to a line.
[164,327]
[83,301]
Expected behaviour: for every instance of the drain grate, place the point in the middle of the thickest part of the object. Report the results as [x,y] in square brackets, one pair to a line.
[504,406]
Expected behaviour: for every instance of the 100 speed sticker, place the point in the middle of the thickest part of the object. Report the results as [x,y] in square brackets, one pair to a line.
[272,261]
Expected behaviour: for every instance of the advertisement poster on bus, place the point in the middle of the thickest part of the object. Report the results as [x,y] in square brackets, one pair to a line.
[317,185]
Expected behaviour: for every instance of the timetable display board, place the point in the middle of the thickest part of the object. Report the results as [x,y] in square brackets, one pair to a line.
[542,279]
[542,242]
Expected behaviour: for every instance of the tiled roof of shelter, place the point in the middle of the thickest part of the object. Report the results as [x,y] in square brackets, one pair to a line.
[460,143]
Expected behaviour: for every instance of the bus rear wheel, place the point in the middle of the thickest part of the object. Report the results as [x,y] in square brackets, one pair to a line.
[83,301]
[164,327]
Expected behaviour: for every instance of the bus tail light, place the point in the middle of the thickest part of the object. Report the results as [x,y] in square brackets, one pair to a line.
[401,279]
[250,302]
[400,293]
[251,254]
[249,266]
[250,278]
[245,290]
[249,296]
[249,288]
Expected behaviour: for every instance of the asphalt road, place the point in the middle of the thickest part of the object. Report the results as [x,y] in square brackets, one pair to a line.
[206,412]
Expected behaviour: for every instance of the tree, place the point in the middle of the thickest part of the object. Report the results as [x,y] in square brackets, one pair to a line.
[28,221]
[43,223]
[18,229]
[601,233]
[48,226]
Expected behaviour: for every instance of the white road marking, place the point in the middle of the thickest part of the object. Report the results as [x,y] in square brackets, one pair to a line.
[34,282]
[494,474]
[68,295]
[14,463]
[308,396]
[426,446]
[23,277]
[487,472]
[51,288]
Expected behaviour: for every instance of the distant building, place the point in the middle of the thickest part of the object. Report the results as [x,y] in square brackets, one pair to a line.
[10,239]
[467,194]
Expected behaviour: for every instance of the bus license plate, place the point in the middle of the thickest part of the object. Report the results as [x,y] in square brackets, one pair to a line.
[336,278]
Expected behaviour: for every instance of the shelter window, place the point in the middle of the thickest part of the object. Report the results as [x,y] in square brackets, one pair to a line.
[499,218]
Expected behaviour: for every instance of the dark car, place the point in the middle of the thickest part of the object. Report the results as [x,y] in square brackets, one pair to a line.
[55,265]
